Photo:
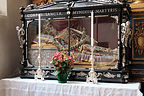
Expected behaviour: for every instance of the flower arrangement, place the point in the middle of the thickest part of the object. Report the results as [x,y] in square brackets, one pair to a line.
[62,63]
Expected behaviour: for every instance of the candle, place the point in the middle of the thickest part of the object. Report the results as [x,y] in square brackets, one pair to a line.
[92,41]
[39,32]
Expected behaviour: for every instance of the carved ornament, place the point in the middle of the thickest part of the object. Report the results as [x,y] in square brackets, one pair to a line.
[39,2]
[109,75]
[21,34]
[138,38]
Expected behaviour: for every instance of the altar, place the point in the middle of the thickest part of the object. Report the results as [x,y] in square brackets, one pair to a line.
[30,87]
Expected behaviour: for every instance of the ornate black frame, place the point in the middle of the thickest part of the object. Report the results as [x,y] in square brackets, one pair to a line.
[72,10]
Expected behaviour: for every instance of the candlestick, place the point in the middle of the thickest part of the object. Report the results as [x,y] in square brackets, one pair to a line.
[39,73]
[92,41]
[92,76]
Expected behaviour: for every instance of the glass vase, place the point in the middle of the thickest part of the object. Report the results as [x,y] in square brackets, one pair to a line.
[62,78]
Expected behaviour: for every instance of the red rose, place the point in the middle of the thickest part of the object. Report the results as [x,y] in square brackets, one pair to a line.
[60,57]
[54,57]
[57,54]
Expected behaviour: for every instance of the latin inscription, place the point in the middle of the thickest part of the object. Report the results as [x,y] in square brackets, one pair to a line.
[82,12]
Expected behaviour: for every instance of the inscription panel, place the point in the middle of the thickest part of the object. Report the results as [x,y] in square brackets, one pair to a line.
[74,13]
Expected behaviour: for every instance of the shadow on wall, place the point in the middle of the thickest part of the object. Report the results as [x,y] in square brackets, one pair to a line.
[142,87]
[10,53]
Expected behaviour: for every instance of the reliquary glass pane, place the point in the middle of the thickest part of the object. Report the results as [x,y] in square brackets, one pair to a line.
[54,38]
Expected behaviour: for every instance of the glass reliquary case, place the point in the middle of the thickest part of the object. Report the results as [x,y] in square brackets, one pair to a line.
[66,27]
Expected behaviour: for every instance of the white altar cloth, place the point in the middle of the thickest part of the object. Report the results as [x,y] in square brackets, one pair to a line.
[31,87]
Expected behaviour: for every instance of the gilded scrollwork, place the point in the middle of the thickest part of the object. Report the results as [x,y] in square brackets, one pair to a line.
[123,30]
[21,37]
[81,74]
[39,2]
[126,76]
[31,72]
[126,38]
[118,75]
[126,34]
[138,38]
[21,33]
[31,6]
[109,75]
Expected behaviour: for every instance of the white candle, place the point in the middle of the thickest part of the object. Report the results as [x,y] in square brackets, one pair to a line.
[92,41]
[39,32]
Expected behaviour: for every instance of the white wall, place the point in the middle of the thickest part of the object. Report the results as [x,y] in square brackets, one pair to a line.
[10,53]
[3,7]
